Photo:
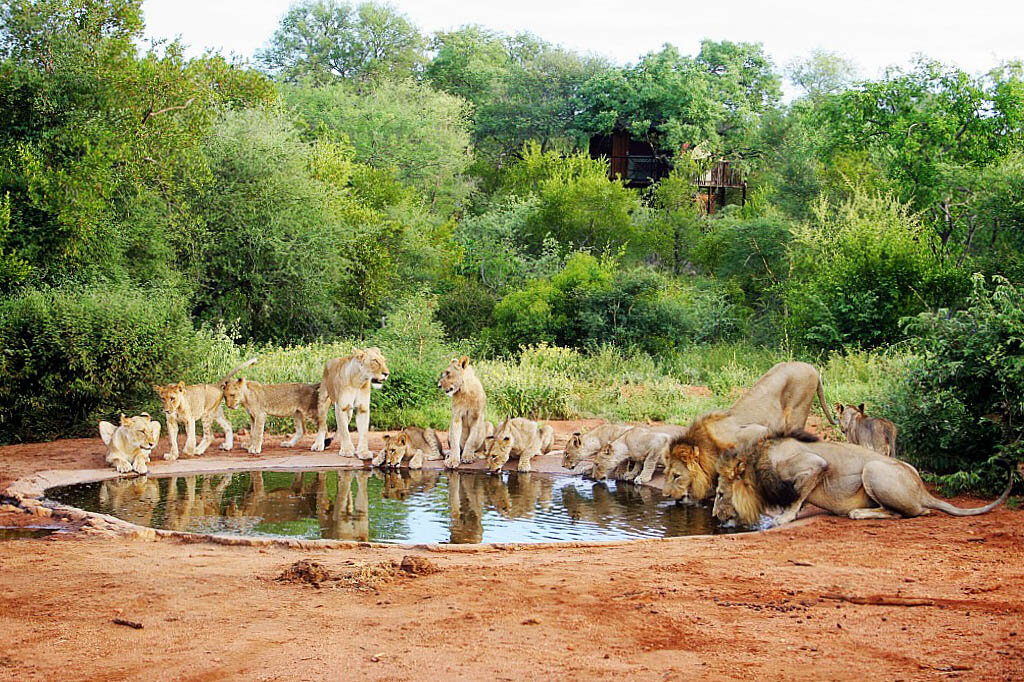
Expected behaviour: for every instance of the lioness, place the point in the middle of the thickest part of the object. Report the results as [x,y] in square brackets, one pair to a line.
[872,432]
[840,478]
[646,444]
[198,401]
[298,401]
[129,445]
[346,383]
[416,444]
[468,428]
[777,404]
[585,446]
[520,438]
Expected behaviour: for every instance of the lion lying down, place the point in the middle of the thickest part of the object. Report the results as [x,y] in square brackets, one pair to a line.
[840,478]
[130,444]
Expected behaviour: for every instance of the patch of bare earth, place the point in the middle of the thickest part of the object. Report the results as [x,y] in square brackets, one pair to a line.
[918,599]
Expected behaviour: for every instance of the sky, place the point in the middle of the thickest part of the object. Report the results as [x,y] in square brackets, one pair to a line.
[873,33]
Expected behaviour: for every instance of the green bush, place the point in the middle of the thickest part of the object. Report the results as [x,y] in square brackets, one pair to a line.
[859,267]
[592,301]
[960,404]
[72,357]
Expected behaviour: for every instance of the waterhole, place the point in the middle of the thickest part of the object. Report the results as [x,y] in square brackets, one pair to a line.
[393,506]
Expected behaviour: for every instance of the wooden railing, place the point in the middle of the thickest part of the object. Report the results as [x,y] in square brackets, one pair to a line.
[719,175]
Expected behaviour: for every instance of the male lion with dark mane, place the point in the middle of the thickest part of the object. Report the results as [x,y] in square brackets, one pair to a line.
[841,478]
[778,404]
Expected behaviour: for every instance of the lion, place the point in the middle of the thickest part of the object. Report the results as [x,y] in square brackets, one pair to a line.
[295,400]
[521,438]
[778,404]
[413,444]
[585,446]
[841,478]
[131,499]
[346,383]
[130,443]
[198,401]
[641,444]
[875,433]
[468,428]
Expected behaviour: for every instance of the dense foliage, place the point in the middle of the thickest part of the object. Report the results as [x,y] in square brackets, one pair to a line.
[365,182]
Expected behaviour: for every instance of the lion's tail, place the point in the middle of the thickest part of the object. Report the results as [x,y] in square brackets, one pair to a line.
[824,405]
[942,505]
[248,363]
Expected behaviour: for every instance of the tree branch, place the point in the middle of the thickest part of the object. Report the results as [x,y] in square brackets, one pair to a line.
[150,114]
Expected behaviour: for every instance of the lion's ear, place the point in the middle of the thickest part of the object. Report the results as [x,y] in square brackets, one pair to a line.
[359,353]
[107,432]
[839,408]
[181,386]
[464,361]
[145,414]
[387,436]
[860,408]
[125,421]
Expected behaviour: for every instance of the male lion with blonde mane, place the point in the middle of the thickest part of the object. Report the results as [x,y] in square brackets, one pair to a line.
[346,383]
[198,401]
[130,443]
[843,479]
[469,402]
[778,404]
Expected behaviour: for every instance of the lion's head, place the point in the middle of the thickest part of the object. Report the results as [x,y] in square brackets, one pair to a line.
[234,389]
[375,368]
[395,449]
[738,497]
[498,449]
[573,451]
[453,376]
[685,478]
[848,415]
[602,462]
[141,431]
[172,396]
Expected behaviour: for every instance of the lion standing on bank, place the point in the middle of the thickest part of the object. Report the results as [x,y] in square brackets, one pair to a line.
[346,383]
[469,402]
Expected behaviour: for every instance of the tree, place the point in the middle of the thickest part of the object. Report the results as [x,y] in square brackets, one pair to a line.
[822,73]
[421,133]
[931,129]
[327,40]
[671,100]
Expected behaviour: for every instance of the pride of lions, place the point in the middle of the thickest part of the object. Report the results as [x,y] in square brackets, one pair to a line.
[750,460]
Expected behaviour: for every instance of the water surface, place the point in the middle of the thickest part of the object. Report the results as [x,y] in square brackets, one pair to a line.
[393,506]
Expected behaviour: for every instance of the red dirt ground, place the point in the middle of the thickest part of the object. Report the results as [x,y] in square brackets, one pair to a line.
[742,607]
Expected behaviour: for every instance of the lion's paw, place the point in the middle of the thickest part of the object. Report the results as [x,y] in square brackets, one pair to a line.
[254,450]
[122,466]
[170,456]
[451,462]
[318,446]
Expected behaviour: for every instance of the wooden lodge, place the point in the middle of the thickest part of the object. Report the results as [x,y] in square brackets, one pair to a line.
[639,165]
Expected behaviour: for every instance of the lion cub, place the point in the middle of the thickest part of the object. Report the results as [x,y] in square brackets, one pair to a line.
[647,444]
[416,444]
[298,401]
[198,401]
[468,428]
[584,446]
[872,432]
[129,445]
[520,438]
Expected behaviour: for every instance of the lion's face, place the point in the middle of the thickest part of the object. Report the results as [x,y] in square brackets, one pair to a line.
[142,431]
[233,392]
[735,500]
[453,375]
[602,463]
[573,451]
[395,450]
[172,396]
[498,451]
[375,368]
[678,472]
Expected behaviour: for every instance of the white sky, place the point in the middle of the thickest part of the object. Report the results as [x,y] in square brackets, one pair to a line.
[873,33]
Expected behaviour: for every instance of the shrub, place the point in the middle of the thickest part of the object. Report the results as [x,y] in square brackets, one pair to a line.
[859,267]
[960,404]
[72,357]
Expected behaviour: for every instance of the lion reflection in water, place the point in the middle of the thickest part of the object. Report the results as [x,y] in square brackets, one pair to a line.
[615,507]
[469,496]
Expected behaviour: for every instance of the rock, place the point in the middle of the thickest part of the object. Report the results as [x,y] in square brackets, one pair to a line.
[45,512]
[418,565]
[9,509]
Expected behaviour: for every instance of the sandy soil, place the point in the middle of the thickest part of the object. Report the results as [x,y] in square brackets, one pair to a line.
[756,606]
